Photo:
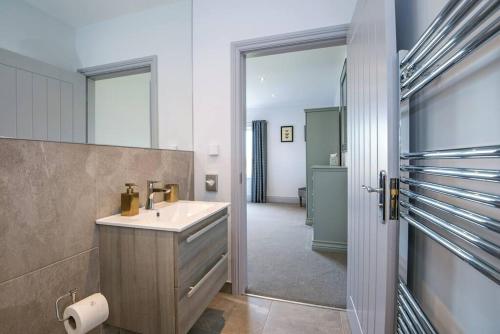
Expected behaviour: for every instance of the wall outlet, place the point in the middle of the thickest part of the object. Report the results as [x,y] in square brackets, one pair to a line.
[211,182]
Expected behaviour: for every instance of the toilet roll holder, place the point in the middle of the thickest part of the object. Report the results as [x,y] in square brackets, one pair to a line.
[72,294]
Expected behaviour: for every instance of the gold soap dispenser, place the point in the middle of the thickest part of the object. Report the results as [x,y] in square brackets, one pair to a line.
[130,201]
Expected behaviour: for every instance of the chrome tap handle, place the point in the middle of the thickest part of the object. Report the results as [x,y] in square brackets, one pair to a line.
[151,183]
[150,205]
[149,196]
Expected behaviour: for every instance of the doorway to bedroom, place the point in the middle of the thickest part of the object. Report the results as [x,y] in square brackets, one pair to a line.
[296,177]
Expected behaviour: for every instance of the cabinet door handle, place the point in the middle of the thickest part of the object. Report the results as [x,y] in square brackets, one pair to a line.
[197,286]
[204,230]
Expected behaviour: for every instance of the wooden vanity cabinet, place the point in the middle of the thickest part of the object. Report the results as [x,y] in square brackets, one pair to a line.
[160,282]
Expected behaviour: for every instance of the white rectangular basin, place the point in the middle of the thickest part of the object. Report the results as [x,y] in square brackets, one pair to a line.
[173,217]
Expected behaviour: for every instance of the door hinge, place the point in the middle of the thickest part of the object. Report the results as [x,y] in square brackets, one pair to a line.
[394,199]
[241,178]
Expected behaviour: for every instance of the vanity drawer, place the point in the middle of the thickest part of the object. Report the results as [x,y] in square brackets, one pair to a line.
[194,301]
[198,248]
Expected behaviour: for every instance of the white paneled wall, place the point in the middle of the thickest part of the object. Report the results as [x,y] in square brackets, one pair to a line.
[40,101]
[8,107]
[40,107]
[372,146]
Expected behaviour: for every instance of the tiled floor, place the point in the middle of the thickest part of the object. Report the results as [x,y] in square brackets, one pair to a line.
[228,314]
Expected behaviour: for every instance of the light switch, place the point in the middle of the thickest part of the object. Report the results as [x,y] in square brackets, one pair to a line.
[213,150]
[211,182]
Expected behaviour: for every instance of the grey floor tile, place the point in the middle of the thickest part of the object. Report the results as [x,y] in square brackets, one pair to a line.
[228,314]
[292,318]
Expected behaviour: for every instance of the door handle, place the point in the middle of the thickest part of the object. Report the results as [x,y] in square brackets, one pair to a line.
[371,189]
[380,191]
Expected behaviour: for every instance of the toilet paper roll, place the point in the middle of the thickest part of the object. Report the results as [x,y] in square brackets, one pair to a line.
[86,314]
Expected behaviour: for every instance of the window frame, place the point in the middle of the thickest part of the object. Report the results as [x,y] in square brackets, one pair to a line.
[117,69]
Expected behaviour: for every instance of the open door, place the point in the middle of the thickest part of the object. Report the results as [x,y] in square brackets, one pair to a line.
[372,159]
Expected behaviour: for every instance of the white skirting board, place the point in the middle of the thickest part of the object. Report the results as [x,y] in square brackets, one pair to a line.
[283,199]
[329,246]
[278,199]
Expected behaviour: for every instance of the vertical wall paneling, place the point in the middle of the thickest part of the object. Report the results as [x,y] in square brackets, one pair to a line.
[371,108]
[40,101]
[8,101]
[79,111]
[40,107]
[24,97]
[54,110]
[66,112]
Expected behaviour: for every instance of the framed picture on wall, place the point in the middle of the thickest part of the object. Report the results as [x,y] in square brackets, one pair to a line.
[287,134]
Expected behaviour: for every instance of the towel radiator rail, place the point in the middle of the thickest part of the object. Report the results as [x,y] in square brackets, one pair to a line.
[461,28]
[485,12]
[461,173]
[467,215]
[461,153]
[487,33]
[445,12]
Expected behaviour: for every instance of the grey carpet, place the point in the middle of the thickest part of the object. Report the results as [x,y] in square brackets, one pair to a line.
[281,263]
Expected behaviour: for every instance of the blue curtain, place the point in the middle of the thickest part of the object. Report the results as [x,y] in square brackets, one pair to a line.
[259,161]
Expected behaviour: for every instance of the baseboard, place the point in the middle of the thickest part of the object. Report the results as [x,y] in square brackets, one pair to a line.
[227,288]
[329,246]
[309,221]
[352,315]
[282,199]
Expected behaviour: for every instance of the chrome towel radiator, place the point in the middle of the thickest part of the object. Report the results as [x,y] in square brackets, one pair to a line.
[459,29]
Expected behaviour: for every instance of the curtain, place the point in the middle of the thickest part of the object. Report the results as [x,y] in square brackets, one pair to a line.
[259,161]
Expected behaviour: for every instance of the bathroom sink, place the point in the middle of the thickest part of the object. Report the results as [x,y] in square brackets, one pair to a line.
[174,217]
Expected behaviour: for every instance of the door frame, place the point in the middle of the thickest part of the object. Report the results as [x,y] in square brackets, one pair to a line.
[240,50]
[130,66]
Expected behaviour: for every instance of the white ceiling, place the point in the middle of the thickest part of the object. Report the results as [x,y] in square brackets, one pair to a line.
[305,78]
[79,13]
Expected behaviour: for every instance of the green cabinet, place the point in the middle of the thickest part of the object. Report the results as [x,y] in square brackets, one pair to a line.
[329,206]
[322,139]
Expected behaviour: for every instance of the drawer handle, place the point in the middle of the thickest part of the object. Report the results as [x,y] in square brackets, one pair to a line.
[204,230]
[197,286]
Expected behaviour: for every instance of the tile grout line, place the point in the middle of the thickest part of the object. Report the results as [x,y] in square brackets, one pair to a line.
[267,317]
[49,265]
[297,303]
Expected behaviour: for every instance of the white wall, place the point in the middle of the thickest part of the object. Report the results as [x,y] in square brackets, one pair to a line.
[286,167]
[163,31]
[216,24]
[32,33]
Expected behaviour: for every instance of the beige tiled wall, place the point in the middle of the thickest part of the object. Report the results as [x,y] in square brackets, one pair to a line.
[50,196]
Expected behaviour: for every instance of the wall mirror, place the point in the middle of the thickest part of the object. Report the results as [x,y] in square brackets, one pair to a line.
[117,72]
